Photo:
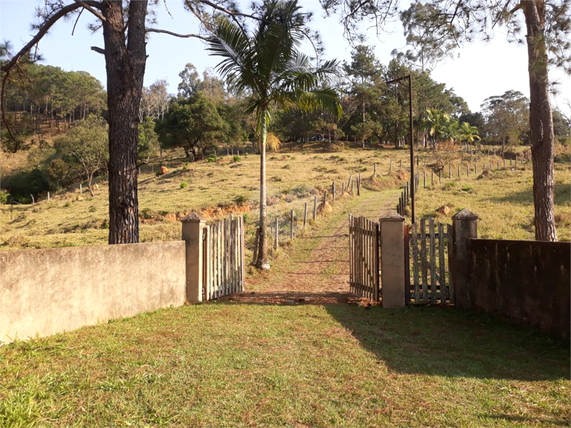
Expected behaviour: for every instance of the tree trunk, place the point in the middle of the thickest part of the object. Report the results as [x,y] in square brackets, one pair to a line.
[540,121]
[262,262]
[125,57]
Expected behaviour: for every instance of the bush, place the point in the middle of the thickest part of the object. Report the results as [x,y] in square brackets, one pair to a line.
[240,200]
[236,158]
[212,158]
[4,197]
[183,185]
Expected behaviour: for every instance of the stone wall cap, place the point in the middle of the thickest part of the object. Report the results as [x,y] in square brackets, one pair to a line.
[191,218]
[465,214]
[391,216]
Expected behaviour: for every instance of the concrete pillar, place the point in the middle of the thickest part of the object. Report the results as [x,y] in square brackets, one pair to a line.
[192,233]
[464,227]
[392,260]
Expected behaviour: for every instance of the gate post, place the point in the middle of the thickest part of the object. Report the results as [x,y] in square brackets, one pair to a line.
[464,227]
[192,233]
[392,260]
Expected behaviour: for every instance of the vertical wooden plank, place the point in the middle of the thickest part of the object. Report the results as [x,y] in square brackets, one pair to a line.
[350,253]
[415,255]
[441,266]
[361,254]
[206,262]
[360,259]
[355,249]
[214,229]
[219,258]
[376,271]
[433,271]
[242,255]
[224,257]
[304,216]
[423,261]
[370,250]
[450,252]
[407,264]
[232,256]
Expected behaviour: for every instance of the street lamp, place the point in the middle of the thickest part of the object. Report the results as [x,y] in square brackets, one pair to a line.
[413,179]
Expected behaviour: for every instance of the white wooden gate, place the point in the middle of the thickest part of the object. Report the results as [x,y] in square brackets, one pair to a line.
[429,252]
[223,260]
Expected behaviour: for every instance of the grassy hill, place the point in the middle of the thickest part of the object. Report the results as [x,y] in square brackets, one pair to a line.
[214,189]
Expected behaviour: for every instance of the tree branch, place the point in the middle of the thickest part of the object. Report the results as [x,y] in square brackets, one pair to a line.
[89,5]
[170,33]
[41,33]
[228,11]
[98,50]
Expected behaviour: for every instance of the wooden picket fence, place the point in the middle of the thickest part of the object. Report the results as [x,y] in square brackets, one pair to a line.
[223,260]
[364,258]
[429,263]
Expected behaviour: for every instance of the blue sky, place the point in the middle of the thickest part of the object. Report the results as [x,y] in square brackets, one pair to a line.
[480,71]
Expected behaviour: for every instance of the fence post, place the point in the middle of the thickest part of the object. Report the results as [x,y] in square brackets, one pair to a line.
[291,227]
[277,234]
[333,191]
[192,233]
[464,227]
[314,207]
[304,216]
[392,260]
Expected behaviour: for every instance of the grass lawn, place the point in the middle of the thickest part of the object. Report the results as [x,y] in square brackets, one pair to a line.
[228,364]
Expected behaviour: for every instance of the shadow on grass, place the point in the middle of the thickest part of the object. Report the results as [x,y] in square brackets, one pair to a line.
[523,420]
[561,194]
[454,343]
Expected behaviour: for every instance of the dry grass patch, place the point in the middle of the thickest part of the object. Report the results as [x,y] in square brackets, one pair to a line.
[214,189]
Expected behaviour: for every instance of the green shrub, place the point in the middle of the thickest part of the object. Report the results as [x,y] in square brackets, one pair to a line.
[212,158]
[236,158]
[4,197]
[183,185]
[240,200]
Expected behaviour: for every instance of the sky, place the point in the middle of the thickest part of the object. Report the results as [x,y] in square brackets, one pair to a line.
[476,72]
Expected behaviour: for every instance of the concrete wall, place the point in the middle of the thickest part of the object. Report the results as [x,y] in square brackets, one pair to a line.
[48,291]
[527,281]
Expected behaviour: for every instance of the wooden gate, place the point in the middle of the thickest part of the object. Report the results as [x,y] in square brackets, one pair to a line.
[364,257]
[223,260]
[429,253]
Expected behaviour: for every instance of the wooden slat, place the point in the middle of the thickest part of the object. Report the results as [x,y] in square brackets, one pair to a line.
[450,251]
[242,258]
[423,261]
[441,245]
[433,270]
[415,262]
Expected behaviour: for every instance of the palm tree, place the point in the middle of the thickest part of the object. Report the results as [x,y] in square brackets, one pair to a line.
[266,65]
[467,133]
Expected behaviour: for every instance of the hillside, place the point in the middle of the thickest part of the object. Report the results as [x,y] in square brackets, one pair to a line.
[502,199]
